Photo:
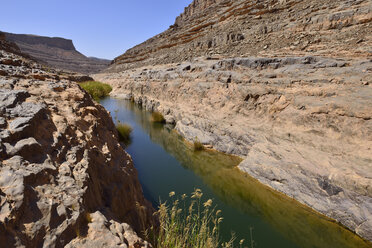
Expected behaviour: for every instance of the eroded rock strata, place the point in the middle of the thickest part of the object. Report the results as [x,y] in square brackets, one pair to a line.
[284,84]
[56,52]
[261,28]
[64,178]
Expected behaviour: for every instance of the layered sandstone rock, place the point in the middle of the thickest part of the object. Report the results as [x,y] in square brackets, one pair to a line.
[57,52]
[241,28]
[64,178]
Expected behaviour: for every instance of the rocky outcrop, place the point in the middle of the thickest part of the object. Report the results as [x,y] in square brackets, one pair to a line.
[64,178]
[103,233]
[22,67]
[57,52]
[302,124]
[262,28]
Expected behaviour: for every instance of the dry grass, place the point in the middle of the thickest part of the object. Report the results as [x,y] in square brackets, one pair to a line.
[189,223]
[124,131]
[157,117]
[96,89]
[198,146]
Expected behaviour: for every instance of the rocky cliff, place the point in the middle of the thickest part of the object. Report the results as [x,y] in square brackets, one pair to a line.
[226,28]
[285,84]
[64,178]
[57,52]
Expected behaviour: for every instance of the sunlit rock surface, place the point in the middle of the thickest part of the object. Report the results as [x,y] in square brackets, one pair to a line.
[64,178]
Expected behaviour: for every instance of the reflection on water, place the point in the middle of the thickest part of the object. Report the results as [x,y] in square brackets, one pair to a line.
[166,163]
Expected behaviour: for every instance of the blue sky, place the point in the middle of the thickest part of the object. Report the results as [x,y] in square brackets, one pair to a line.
[100,28]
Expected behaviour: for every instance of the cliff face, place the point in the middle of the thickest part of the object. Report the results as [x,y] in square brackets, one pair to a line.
[284,84]
[57,52]
[64,178]
[37,40]
[259,28]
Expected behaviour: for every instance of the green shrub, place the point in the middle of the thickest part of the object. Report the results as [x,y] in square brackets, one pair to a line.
[124,131]
[157,117]
[188,223]
[96,89]
[198,146]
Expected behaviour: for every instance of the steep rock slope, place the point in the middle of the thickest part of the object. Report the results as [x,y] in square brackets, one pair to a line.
[226,28]
[57,52]
[64,178]
[284,84]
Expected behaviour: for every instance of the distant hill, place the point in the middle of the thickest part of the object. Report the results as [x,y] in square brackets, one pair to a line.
[57,52]
[11,47]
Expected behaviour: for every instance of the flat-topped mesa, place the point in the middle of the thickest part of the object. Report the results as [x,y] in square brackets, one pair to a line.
[56,52]
[58,42]
[265,28]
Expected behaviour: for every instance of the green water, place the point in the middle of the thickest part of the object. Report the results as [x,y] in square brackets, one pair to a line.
[166,163]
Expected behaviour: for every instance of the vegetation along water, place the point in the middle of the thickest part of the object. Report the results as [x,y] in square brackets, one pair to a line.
[165,163]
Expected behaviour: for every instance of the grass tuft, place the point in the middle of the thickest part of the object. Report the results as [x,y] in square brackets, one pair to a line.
[124,131]
[188,222]
[157,117]
[96,89]
[88,218]
[198,146]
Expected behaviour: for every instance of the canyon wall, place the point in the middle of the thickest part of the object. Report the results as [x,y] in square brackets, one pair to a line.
[269,28]
[57,52]
[65,181]
[285,84]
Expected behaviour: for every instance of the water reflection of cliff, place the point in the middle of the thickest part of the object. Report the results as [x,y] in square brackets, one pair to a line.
[296,222]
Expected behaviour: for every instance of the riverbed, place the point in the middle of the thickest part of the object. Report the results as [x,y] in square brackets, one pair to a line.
[165,162]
